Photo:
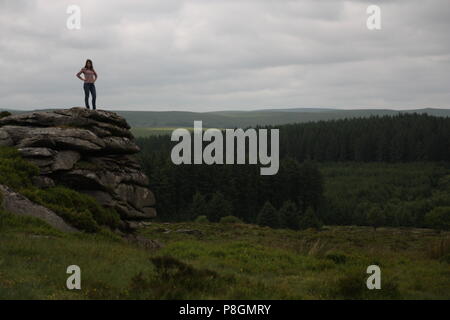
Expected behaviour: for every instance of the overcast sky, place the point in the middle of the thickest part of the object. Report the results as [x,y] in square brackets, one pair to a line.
[208,55]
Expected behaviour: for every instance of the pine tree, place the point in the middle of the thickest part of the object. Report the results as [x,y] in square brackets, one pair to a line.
[375,217]
[198,206]
[268,216]
[310,220]
[218,207]
[289,216]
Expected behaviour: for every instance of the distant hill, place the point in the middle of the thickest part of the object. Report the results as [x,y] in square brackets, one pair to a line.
[243,119]
[280,110]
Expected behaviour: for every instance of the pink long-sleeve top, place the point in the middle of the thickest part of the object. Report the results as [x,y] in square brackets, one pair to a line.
[88,75]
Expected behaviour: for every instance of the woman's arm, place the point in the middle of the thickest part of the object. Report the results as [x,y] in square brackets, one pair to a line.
[79,75]
[96,76]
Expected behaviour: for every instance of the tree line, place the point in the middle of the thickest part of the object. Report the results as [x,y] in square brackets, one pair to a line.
[399,138]
[296,193]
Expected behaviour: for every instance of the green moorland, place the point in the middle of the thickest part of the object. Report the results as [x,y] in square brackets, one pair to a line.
[223,261]
[212,260]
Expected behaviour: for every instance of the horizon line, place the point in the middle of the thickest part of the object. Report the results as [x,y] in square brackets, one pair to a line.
[293,109]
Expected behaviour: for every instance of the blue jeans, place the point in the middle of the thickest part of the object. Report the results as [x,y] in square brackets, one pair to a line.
[89,87]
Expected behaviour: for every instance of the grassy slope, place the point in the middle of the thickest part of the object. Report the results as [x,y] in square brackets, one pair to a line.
[229,261]
[79,210]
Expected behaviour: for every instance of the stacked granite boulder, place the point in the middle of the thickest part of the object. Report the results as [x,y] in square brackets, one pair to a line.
[89,151]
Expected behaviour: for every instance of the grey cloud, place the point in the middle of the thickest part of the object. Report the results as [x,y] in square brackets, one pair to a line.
[209,55]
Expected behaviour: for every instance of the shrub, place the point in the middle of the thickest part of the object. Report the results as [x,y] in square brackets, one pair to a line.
[168,268]
[353,286]
[438,218]
[268,216]
[201,219]
[79,210]
[4,114]
[337,258]
[15,171]
[174,279]
[230,219]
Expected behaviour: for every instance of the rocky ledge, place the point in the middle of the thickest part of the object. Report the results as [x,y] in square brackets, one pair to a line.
[89,151]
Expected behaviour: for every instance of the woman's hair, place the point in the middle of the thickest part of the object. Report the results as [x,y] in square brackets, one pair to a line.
[86,65]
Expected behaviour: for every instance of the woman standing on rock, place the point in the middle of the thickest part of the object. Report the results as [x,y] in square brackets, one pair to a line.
[90,76]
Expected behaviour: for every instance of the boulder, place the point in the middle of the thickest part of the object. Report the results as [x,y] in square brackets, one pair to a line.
[65,160]
[144,242]
[37,152]
[56,138]
[16,203]
[86,150]
[102,123]
[43,182]
[5,139]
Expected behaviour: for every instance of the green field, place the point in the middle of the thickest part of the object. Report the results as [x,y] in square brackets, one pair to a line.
[223,261]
